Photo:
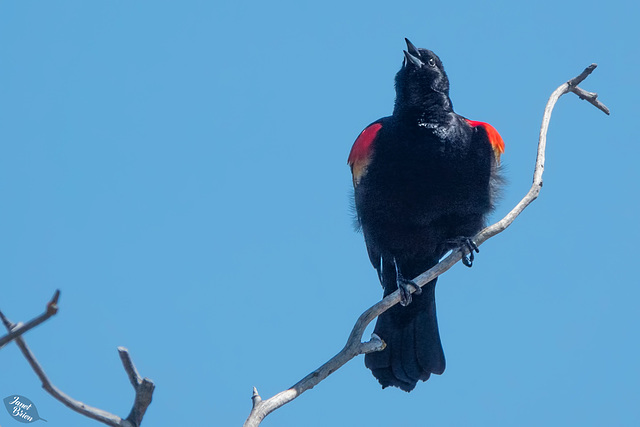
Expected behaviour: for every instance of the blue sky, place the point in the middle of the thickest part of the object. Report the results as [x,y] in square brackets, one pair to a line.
[178,170]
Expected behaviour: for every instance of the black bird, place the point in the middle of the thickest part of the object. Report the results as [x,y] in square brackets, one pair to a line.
[424,181]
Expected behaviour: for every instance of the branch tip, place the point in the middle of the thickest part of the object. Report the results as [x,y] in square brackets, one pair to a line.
[580,78]
[16,330]
[52,306]
[255,397]
[5,321]
[590,97]
[129,368]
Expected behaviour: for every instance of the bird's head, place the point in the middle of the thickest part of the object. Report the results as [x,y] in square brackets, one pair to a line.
[421,82]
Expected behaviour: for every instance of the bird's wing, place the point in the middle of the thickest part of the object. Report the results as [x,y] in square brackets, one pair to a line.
[360,155]
[492,135]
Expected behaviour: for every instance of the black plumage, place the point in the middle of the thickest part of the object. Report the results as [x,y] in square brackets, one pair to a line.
[424,181]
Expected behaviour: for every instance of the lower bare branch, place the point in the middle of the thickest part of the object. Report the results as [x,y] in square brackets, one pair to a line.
[355,346]
[143,386]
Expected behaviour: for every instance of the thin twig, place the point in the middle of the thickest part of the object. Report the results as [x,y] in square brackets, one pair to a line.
[355,346]
[52,308]
[583,94]
[143,387]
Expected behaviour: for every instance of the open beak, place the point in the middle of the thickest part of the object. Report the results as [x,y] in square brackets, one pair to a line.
[412,49]
[411,55]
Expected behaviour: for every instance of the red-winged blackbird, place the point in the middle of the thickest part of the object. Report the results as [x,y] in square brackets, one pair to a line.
[424,180]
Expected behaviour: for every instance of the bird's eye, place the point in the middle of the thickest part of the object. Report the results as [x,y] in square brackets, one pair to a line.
[432,62]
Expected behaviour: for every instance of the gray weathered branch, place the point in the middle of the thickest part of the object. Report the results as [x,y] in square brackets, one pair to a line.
[143,386]
[355,346]
[52,308]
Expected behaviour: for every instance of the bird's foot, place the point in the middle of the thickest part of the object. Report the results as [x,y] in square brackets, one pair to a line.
[405,285]
[467,246]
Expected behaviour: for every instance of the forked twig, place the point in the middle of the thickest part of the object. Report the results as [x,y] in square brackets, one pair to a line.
[143,386]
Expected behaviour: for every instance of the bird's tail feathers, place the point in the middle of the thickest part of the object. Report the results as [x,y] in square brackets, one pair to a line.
[413,349]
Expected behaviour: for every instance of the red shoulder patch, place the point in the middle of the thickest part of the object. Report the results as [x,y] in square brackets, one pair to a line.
[360,154]
[494,137]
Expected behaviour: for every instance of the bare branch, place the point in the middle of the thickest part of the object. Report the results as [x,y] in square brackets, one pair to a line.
[355,346]
[52,308]
[143,387]
[262,408]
